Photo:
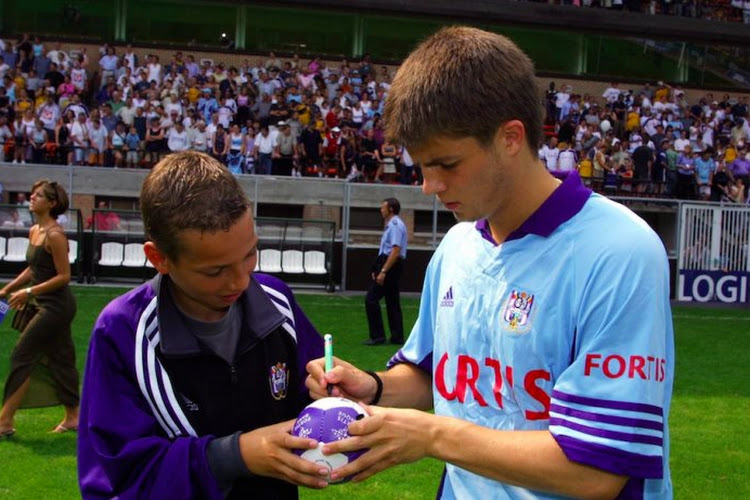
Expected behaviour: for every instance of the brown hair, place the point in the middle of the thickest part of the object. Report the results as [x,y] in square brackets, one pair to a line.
[463,82]
[189,190]
[53,192]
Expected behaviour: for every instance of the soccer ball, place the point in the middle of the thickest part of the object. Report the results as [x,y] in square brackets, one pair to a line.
[328,420]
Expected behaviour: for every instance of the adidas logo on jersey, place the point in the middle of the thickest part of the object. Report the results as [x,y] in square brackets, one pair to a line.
[448,298]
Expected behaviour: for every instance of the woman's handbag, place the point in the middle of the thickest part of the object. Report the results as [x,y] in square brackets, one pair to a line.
[23,316]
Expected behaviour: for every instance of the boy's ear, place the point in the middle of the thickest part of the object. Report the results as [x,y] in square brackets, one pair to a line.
[156,257]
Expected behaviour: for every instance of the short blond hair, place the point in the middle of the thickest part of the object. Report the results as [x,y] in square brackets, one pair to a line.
[463,82]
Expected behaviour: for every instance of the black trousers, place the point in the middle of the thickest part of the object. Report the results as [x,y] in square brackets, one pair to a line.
[390,290]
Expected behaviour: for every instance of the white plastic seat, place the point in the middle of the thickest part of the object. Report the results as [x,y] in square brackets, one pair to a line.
[17,247]
[315,262]
[2,247]
[111,254]
[291,262]
[133,255]
[72,251]
[270,261]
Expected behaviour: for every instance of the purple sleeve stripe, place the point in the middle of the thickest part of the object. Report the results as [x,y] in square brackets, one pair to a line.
[606,434]
[611,459]
[442,483]
[426,364]
[396,359]
[605,403]
[399,358]
[607,419]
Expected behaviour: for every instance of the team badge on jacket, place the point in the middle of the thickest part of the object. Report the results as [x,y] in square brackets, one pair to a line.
[279,379]
[517,314]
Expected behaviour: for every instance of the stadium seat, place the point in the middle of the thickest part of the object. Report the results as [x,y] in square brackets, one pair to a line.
[111,254]
[315,262]
[2,247]
[291,262]
[270,261]
[133,255]
[16,249]
[72,251]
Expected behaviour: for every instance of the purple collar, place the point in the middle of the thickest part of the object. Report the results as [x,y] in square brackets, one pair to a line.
[564,202]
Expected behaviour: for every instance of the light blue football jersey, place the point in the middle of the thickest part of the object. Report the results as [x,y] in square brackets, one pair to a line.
[566,326]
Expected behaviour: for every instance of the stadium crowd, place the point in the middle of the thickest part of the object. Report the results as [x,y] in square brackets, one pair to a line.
[650,141]
[308,118]
[283,117]
[717,10]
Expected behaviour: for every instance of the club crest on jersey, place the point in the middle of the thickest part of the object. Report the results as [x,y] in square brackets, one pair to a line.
[279,380]
[517,314]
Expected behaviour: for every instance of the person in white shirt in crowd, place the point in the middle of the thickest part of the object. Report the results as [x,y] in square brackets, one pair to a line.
[49,114]
[99,142]
[199,139]
[682,142]
[265,143]
[108,65]
[550,153]
[566,160]
[612,93]
[5,134]
[177,138]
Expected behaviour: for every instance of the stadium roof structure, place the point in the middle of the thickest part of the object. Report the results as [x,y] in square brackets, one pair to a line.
[558,17]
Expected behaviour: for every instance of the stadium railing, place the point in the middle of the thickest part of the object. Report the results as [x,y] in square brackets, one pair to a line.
[15,222]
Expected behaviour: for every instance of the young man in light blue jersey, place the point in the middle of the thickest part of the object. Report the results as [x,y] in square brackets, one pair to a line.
[544,339]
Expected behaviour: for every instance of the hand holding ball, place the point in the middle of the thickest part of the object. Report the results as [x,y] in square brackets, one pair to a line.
[328,420]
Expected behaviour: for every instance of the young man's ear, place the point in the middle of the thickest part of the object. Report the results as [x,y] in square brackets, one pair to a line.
[512,137]
[156,257]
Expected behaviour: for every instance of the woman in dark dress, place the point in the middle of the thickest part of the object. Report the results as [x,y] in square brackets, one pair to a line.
[42,364]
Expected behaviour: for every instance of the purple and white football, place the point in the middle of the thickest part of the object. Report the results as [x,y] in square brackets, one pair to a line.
[327,420]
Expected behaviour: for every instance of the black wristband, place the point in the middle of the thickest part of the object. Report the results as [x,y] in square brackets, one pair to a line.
[379,382]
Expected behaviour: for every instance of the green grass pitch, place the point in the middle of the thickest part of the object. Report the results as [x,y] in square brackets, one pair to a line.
[710,455]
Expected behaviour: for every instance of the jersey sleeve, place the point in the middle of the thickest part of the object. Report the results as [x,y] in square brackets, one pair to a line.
[121,451]
[609,407]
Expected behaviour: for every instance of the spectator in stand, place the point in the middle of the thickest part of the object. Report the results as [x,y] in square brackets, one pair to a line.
[685,188]
[720,183]
[118,144]
[740,167]
[49,114]
[79,136]
[642,162]
[5,136]
[177,138]
[249,149]
[199,138]
[133,147]
[38,141]
[99,139]
[566,161]
[102,220]
[550,154]
[285,152]
[264,149]
[236,150]
[154,145]
[220,146]
[311,150]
